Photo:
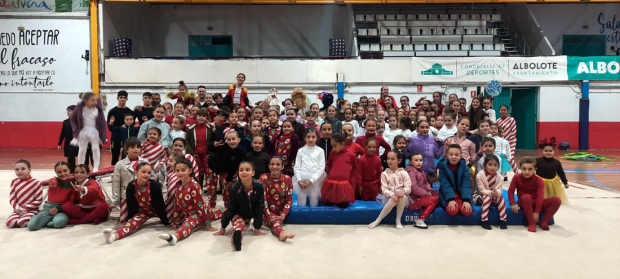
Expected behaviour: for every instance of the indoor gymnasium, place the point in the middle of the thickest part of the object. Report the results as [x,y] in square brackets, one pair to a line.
[309,138]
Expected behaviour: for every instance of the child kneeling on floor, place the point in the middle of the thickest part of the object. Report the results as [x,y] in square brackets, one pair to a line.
[396,187]
[531,192]
[455,183]
[489,190]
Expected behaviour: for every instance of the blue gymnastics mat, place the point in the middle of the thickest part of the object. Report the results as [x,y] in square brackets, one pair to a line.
[365,212]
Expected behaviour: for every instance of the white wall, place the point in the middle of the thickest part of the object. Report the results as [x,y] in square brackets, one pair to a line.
[557,20]
[558,104]
[266,30]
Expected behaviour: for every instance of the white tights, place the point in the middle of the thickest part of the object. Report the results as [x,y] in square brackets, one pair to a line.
[303,197]
[83,148]
[387,208]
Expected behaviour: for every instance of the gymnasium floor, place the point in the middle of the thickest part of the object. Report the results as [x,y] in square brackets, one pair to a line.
[584,243]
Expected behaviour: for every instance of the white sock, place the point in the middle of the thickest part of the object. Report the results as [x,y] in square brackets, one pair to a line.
[168,237]
[373,224]
[400,207]
[108,235]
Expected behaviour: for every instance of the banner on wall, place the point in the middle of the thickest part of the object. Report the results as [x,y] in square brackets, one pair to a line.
[594,68]
[483,69]
[44,55]
[44,6]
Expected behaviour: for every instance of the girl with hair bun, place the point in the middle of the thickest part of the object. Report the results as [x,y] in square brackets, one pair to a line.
[183,95]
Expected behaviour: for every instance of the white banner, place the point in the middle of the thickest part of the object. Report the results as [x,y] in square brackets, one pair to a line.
[484,69]
[539,68]
[44,55]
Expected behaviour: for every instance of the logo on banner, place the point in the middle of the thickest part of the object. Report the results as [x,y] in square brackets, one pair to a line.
[437,70]
[534,68]
[594,68]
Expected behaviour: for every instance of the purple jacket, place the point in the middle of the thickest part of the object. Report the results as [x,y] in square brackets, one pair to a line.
[429,148]
[77,122]
[419,183]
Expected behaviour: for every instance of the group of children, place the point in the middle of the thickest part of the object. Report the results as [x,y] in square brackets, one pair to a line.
[258,156]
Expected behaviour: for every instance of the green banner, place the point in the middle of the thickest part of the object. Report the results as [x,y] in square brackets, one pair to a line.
[44,6]
[594,68]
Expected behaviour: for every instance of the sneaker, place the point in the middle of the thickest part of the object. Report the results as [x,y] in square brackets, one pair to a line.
[419,223]
[503,225]
[485,225]
[236,239]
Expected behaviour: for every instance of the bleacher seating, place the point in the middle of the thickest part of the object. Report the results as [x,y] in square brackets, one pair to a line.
[432,34]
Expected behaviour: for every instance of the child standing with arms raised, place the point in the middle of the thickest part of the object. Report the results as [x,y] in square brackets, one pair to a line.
[489,191]
[396,187]
[551,171]
[309,170]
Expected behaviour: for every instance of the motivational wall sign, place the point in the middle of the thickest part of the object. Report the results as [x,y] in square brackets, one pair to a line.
[44,56]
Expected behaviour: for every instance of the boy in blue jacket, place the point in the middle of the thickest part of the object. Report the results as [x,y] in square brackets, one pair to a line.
[455,183]
[127,130]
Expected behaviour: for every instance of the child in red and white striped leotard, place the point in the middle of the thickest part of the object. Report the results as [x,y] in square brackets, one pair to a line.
[171,182]
[25,196]
[489,191]
[154,152]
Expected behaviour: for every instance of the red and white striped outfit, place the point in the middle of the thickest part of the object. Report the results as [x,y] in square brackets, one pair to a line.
[171,190]
[153,152]
[487,184]
[191,159]
[509,126]
[25,194]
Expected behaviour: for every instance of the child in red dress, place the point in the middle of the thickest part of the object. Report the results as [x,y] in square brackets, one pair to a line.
[278,198]
[531,192]
[369,172]
[337,188]
[422,196]
[88,204]
[154,152]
